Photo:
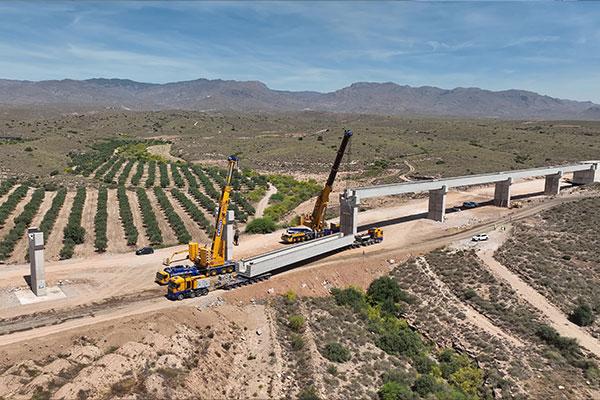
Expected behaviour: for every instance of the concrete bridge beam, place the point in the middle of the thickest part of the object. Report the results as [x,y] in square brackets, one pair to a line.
[437,204]
[552,185]
[502,193]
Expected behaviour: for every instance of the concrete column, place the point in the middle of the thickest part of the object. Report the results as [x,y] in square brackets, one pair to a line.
[552,186]
[349,214]
[585,177]
[229,236]
[437,204]
[36,261]
[502,193]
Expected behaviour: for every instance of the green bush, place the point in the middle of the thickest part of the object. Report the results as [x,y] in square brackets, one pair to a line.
[290,297]
[149,218]
[402,341]
[395,391]
[261,225]
[52,214]
[336,352]
[567,346]
[351,297]
[296,323]
[131,232]
[151,174]
[424,385]
[100,221]
[183,236]
[582,315]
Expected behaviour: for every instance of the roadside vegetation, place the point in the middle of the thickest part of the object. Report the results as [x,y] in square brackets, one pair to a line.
[261,225]
[290,194]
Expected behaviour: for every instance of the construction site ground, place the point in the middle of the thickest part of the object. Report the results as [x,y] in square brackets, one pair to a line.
[112,300]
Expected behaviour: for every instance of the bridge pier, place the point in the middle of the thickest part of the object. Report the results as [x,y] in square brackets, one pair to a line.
[437,204]
[552,185]
[502,193]
[586,177]
[349,214]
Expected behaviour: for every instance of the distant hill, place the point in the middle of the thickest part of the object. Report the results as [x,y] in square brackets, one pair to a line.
[363,97]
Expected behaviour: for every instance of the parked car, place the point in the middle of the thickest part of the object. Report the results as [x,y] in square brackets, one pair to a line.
[470,204]
[480,238]
[144,250]
[456,209]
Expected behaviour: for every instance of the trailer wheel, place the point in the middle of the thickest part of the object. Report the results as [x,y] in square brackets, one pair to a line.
[192,294]
[180,296]
[204,292]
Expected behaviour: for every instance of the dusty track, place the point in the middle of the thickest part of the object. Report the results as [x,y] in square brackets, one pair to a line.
[116,281]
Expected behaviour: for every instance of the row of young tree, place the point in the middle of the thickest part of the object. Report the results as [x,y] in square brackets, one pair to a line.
[52,214]
[204,200]
[164,175]
[11,203]
[137,176]
[149,218]
[22,221]
[6,185]
[151,174]
[206,183]
[131,232]
[125,173]
[100,220]
[183,236]
[110,175]
[74,233]
[193,211]
[105,167]
[177,176]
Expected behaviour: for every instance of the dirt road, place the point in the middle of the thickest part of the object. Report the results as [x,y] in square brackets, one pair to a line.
[558,320]
[101,277]
[264,202]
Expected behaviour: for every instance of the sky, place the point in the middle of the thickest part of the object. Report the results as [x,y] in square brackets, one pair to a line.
[551,48]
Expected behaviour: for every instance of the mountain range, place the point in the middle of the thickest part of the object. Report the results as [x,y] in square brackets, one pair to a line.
[253,96]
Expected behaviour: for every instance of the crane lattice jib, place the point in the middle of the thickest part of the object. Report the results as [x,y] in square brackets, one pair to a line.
[218,245]
[318,214]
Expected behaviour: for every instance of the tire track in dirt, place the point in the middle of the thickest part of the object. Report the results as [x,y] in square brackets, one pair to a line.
[168,235]
[18,255]
[558,320]
[87,221]
[137,219]
[55,239]
[117,243]
[472,316]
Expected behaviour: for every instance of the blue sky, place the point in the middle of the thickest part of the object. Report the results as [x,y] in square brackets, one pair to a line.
[548,47]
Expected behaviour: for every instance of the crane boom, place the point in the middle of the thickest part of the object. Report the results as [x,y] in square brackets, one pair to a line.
[317,218]
[218,244]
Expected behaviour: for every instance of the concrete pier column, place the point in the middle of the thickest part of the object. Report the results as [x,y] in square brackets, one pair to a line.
[585,177]
[552,186]
[229,236]
[502,193]
[36,261]
[349,214]
[437,204]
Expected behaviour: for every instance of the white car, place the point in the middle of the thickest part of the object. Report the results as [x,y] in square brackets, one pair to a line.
[479,238]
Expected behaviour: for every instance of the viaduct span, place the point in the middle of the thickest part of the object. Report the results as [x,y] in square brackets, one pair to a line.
[584,172]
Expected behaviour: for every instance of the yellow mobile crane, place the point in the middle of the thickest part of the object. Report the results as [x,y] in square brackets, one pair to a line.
[207,261]
[312,225]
